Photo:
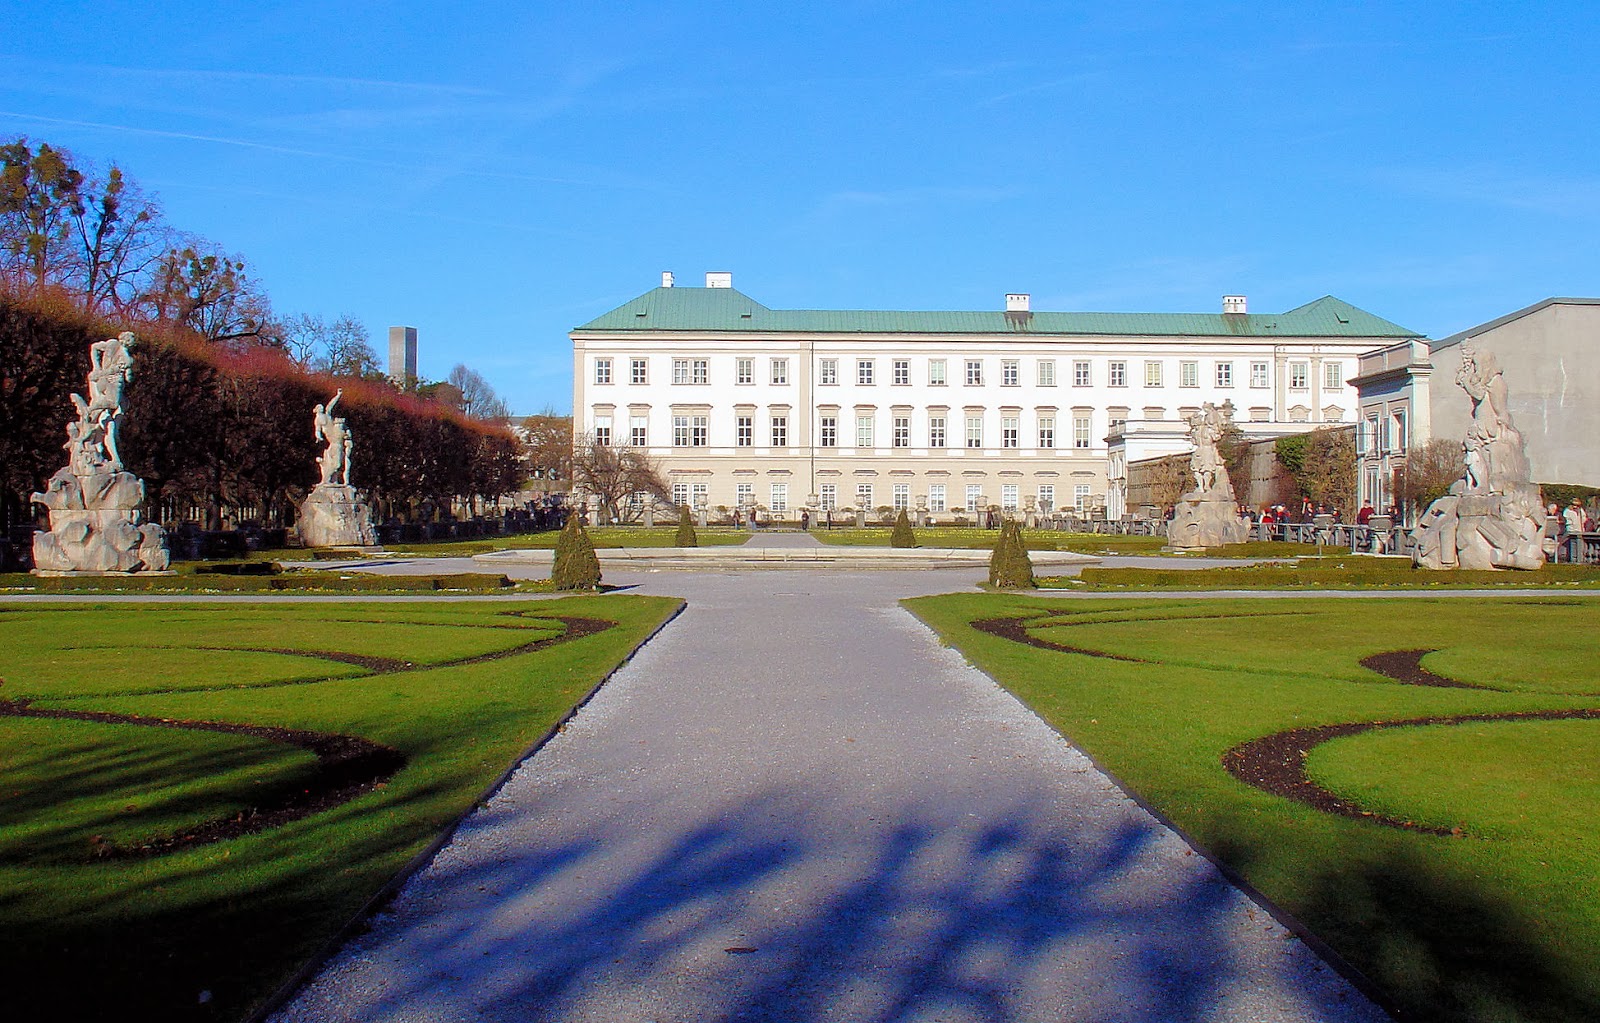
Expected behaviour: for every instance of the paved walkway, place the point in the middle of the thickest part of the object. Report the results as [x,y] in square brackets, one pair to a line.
[796,805]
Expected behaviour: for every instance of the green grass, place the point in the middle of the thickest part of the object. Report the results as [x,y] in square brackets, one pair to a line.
[191,579]
[1325,573]
[973,538]
[1502,924]
[603,537]
[88,938]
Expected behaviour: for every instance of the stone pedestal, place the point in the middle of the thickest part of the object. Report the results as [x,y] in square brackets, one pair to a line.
[1480,531]
[95,526]
[1203,520]
[861,518]
[333,515]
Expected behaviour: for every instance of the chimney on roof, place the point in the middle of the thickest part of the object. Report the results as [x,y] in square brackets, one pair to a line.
[719,279]
[666,278]
[1234,304]
[1017,303]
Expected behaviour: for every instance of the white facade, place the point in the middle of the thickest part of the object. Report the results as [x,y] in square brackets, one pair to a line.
[785,416]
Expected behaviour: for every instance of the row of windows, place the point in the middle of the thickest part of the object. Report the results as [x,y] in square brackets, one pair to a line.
[1382,434]
[698,371]
[694,431]
[938,496]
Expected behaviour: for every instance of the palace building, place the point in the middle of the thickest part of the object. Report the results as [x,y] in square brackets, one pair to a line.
[744,405]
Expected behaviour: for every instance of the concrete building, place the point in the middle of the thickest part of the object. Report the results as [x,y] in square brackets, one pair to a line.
[403,355]
[743,404]
[1550,355]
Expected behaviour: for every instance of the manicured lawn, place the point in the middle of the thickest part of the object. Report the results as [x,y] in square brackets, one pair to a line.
[603,536]
[970,537]
[193,578]
[1325,573]
[91,928]
[1500,921]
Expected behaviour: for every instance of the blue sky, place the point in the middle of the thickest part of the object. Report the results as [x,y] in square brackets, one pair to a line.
[499,176]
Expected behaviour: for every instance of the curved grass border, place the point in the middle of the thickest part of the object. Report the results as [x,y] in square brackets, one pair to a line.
[347,766]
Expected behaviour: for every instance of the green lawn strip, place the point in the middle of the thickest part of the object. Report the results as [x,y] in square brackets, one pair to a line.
[603,537]
[973,538]
[1474,928]
[1355,572]
[296,581]
[143,938]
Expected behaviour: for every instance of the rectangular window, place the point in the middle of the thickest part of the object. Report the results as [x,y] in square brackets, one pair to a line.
[700,371]
[780,372]
[974,496]
[699,494]
[780,431]
[780,497]
[974,431]
[602,371]
[602,431]
[639,431]
[1047,372]
[1081,374]
[1152,373]
[1117,374]
[699,431]
[680,371]
[1008,496]
[1047,497]
[1383,435]
[1010,372]
[974,372]
[936,437]
[1399,431]
[936,497]
[1080,431]
[639,371]
[902,431]
[863,431]
[828,496]
[1367,436]
[864,496]
[828,372]
[744,494]
[1224,374]
[1047,431]
[864,372]
[902,496]
[1333,376]
[1299,375]
[1188,374]
[744,371]
[744,431]
[1080,496]
[680,494]
[1008,431]
[680,433]
[828,433]
[1258,374]
[936,373]
[902,371]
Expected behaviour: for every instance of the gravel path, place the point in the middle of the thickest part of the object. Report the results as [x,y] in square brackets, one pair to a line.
[795,805]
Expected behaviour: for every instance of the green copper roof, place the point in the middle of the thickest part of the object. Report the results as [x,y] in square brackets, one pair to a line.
[710,310]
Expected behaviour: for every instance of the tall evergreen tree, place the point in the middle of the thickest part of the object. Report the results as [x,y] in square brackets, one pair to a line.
[686,535]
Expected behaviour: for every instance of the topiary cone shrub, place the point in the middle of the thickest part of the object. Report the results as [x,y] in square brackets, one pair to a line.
[576,567]
[903,535]
[1010,568]
[686,536]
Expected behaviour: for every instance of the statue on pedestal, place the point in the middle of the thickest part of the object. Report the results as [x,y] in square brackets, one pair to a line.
[1492,516]
[333,514]
[1208,515]
[94,502]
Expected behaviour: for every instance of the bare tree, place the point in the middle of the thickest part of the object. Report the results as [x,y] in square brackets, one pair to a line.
[478,399]
[1428,472]
[613,474]
[341,348]
[211,293]
[547,446]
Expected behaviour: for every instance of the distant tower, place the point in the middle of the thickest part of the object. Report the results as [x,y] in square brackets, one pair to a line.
[403,355]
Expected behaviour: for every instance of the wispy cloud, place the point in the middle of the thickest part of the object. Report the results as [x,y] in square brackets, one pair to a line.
[1558,195]
[913,196]
[202,78]
[1051,85]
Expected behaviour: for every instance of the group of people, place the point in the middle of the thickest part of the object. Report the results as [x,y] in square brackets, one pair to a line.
[1575,518]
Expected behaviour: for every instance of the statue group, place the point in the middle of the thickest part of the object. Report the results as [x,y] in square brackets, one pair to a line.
[94,502]
[333,514]
[1208,515]
[1492,517]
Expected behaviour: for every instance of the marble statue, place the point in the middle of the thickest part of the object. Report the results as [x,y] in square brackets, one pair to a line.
[1492,517]
[94,502]
[333,514]
[1208,515]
